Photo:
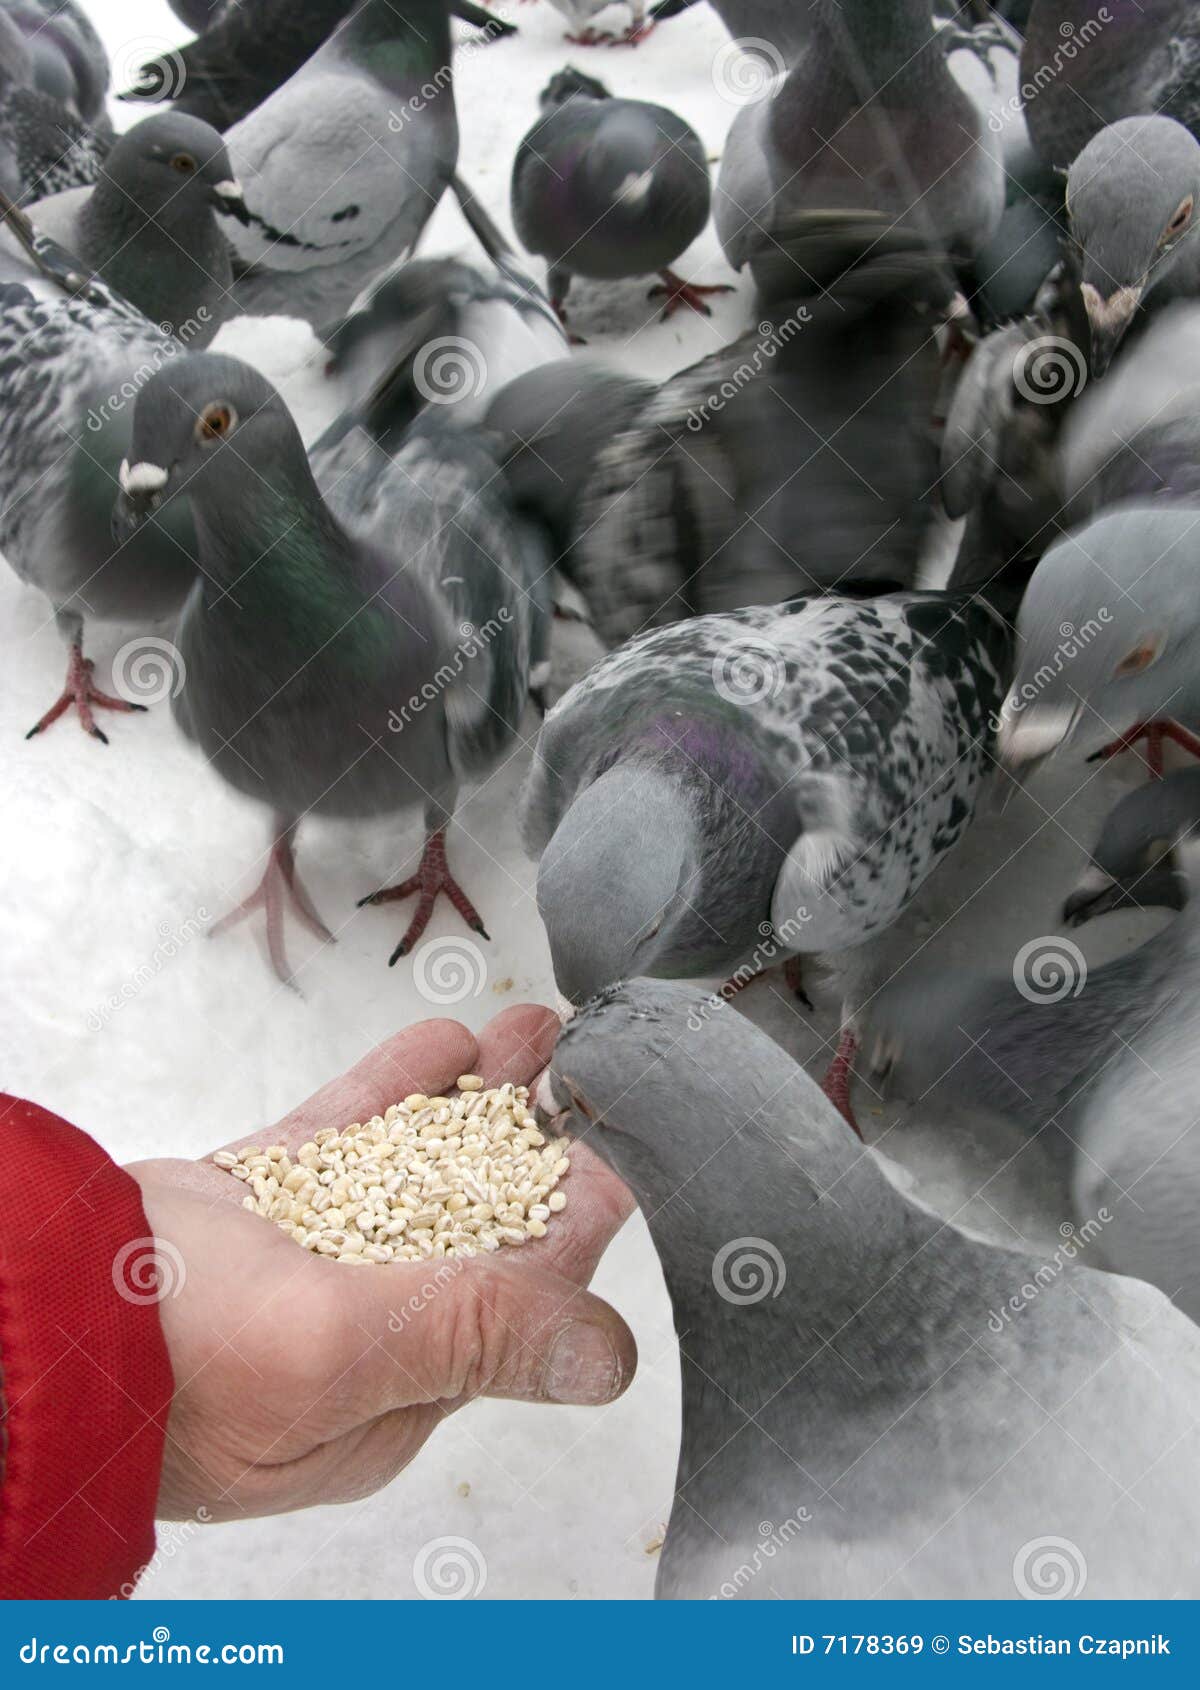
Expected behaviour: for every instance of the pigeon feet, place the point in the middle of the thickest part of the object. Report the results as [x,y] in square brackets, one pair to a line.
[631,37]
[279,887]
[836,1084]
[1154,733]
[79,693]
[433,877]
[679,293]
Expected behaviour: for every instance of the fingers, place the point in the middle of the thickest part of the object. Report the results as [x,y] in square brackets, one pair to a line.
[598,1205]
[518,1044]
[427,1057]
[485,1329]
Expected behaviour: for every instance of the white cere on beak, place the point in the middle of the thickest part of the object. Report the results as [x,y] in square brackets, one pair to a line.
[1113,312]
[635,187]
[1092,882]
[141,478]
[1032,734]
[230,190]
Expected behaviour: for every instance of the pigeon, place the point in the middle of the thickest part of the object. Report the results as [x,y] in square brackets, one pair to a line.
[249,49]
[47,145]
[449,332]
[1094,62]
[606,188]
[841,1347]
[789,773]
[800,457]
[583,33]
[72,354]
[68,59]
[1001,466]
[1100,1053]
[343,165]
[870,117]
[148,225]
[1132,196]
[360,638]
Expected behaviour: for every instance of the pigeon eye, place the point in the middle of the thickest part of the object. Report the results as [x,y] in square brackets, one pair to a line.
[1157,851]
[1180,221]
[1141,657]
[184,163]
[214,423]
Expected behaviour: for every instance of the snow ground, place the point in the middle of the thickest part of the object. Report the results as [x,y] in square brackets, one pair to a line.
[110,857]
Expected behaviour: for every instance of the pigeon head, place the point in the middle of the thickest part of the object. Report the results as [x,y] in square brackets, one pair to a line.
[168,164]
[570,84]
[1107,635]
[1133,197]
[695,1108]
[1135,861]
[199,424]
[609,883]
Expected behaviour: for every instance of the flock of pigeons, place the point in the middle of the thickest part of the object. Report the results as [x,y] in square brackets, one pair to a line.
[973,234]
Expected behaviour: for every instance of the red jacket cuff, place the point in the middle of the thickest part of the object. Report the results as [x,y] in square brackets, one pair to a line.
[85,1382]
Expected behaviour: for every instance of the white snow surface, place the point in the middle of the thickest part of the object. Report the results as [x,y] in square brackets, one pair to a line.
[112,857]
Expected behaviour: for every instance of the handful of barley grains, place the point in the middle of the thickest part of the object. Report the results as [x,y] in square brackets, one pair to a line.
[433,1176]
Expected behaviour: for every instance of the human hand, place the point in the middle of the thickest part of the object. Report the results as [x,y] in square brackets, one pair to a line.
[300,1382]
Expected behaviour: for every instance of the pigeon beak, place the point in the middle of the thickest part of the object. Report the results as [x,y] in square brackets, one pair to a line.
[1108,320]
[140,496]
[229,198]
[1160,887]
[1028,739]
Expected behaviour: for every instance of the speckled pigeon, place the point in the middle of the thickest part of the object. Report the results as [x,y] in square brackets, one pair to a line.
[150,227]
[872,1408]
[361,636]
[72,354]
[68,58]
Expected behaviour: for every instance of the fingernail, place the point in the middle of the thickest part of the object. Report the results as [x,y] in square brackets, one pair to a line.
[583,1366]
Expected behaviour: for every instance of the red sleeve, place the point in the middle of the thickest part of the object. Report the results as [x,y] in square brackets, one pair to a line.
[85,1382]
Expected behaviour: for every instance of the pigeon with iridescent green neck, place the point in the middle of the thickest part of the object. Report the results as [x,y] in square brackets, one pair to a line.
[344,164]
[360,640]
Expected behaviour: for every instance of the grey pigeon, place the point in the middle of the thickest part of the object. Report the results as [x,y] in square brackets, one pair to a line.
[68,59]
[1093,62]
[343,165]
[72,353]
[47,145]
[360,639]
[1107,1054]
[799,457]
[1131,198]
[778,779]
[449,332]
[149,226]
[249,49]
[864,1414]
[869,118]
[606,188]
[1001,459]
[1108,638]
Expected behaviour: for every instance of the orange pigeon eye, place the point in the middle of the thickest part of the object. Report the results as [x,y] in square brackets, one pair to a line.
[214,423]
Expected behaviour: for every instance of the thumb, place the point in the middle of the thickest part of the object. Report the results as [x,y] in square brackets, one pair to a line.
[473,1328]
